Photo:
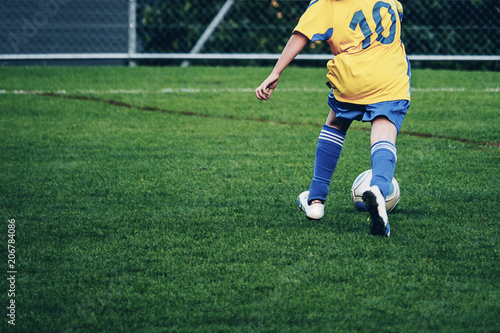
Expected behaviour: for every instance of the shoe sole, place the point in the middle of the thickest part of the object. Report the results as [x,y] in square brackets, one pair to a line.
[377,225]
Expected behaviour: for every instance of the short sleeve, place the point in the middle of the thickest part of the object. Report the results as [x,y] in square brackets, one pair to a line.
[317,21]
[399,6]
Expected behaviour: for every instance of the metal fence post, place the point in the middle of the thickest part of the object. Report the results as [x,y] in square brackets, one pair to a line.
[210,29]
[132,33]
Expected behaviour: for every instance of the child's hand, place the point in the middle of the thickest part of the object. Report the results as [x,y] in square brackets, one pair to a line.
[264,91]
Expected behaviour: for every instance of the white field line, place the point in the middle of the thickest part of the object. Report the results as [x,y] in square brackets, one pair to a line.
[188,90]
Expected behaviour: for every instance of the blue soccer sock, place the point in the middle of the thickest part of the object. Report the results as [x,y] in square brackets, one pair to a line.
[328,150]
[383,161]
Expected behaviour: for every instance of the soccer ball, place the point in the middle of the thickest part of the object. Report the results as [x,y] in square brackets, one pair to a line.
[362,184]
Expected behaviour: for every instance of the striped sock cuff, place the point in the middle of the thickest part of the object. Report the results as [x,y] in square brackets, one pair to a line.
[387,146]
[332,135]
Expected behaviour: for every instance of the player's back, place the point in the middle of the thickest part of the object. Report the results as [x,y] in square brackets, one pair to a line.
[370,64]
[360,24]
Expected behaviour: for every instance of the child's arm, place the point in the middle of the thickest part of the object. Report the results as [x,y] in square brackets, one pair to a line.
[295,44]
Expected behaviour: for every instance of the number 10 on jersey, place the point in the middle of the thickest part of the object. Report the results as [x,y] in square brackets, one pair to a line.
[359,18]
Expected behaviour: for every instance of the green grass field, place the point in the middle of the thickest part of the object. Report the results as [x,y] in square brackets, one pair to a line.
[164,200]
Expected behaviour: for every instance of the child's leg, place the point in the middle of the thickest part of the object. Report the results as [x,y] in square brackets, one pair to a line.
[383,161]
[330,142]
[383,153]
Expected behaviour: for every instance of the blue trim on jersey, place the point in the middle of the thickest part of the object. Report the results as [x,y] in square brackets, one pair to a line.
[312,3]
[322,37]
[409,73]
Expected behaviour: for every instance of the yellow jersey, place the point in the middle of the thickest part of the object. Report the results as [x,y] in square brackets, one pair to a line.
[370,63]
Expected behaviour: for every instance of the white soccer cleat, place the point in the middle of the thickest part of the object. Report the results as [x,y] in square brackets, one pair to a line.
[375,204]
[313,211]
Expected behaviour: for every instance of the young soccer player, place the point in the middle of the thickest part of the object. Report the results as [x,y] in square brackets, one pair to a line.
[370,81]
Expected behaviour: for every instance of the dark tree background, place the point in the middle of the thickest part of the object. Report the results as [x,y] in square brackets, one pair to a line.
[438,27]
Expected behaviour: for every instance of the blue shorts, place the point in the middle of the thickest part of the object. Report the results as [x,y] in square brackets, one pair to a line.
[395,111]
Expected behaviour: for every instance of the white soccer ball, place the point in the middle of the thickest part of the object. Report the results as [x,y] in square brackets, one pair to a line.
[362,184]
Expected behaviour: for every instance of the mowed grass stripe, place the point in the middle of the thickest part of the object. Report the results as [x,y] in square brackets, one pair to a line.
[191,113]
[189,90]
